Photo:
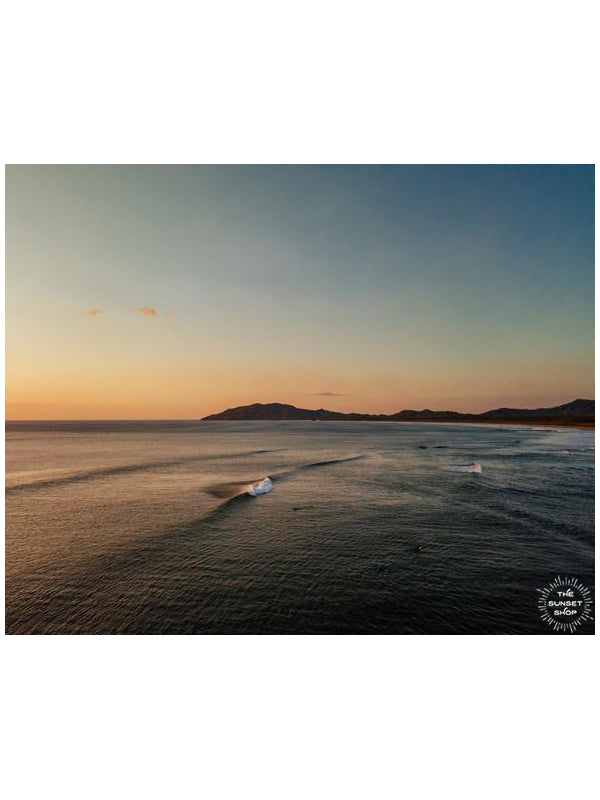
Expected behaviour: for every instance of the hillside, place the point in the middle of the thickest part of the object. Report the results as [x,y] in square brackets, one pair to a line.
[577,412]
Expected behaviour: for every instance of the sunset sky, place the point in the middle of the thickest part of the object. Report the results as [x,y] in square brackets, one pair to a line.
[173,292]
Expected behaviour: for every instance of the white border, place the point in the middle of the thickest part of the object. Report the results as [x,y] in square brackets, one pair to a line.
[320,81]
[287,717]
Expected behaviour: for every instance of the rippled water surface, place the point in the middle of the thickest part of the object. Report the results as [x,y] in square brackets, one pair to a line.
[145,528]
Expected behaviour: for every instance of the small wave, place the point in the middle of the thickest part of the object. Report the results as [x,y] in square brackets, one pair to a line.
[226,491]
[328,463]
[475,467]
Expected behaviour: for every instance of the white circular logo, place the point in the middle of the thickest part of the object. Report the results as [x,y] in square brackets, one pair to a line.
[565,604]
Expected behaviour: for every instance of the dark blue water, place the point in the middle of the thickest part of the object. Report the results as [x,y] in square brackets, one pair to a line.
[368,528]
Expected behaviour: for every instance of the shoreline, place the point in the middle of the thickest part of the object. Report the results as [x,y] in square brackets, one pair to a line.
[586,426]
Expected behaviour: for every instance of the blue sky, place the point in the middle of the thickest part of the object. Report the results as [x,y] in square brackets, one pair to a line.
[461,287]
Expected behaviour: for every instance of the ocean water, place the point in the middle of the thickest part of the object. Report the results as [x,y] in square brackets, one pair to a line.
[370,528]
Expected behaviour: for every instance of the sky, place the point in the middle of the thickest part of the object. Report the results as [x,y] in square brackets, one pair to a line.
[171,292]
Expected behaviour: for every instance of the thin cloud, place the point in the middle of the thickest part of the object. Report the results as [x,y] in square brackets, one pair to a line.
[332,394]
[93,312]
[148,312]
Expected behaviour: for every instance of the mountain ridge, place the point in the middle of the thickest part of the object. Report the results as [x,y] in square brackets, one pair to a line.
[576,412]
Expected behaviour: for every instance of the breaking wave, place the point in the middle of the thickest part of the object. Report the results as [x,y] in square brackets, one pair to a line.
[261,487]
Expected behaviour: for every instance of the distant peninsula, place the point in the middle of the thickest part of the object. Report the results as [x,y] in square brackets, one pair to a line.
[577,413]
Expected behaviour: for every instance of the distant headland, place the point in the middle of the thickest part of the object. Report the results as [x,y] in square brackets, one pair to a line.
[577,413]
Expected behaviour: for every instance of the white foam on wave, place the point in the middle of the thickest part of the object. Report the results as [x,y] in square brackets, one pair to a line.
[260,487]
[475,467]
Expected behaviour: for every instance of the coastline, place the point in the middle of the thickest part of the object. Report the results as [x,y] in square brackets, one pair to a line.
[585,426]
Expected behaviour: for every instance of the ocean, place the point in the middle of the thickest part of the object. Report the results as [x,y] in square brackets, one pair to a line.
[368,528]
